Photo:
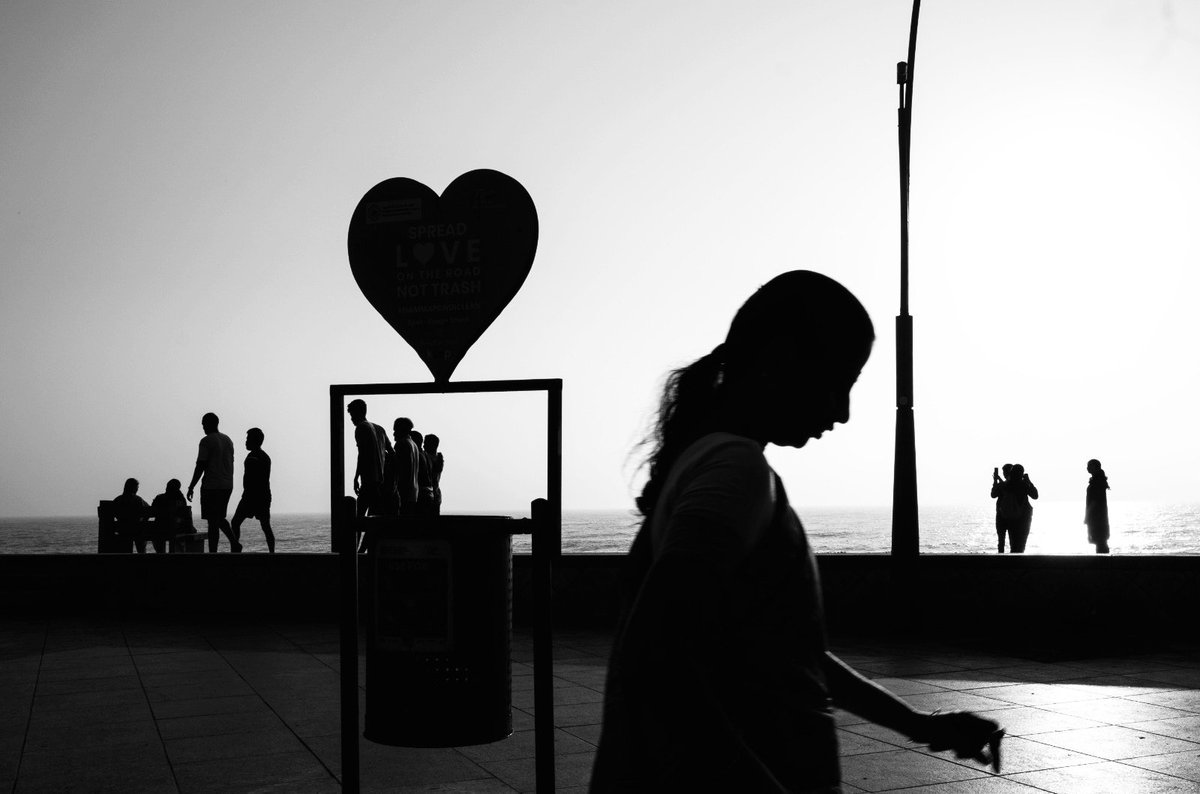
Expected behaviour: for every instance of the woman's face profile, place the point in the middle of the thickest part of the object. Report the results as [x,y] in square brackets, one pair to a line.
[805,400]
[797,347]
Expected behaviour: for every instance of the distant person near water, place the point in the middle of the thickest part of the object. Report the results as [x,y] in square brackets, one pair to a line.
[171,515]
[130,512]
[407,465]
[214,463]
[1001,520]
[1096,513]
[1013,506]
[720,678]
[436,464]
[256,488]
[424,477]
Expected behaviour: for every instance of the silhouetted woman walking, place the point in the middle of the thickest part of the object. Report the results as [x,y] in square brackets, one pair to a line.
[1096,513]
[720,679]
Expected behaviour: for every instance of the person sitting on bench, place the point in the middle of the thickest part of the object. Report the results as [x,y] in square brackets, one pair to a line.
[129,514]
[172,516]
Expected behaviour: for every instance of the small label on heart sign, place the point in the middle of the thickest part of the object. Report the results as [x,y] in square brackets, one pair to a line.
[441,269]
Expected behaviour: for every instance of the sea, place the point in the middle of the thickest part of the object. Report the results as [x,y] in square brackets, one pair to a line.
[1137,528]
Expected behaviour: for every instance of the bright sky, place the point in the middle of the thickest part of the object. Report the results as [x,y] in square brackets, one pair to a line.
[176,182]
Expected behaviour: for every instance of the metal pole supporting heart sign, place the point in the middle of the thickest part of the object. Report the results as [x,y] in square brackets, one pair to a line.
[441,269]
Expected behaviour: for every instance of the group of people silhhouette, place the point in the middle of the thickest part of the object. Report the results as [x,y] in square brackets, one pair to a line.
[214,472]
[130,512]
[1014,511]
[400,479]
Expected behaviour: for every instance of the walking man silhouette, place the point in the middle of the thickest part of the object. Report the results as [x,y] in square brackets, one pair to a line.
[373,446]
[256,489]
[214,462]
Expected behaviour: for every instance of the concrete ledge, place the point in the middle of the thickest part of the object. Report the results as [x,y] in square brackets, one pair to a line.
[1013,596]
[249,585]
[943,595]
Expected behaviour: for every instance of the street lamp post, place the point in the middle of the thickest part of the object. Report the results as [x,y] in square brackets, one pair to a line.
[906,536]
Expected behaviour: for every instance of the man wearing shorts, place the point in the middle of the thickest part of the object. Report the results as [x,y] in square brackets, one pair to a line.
[373,448]
[214,462]
[256,489]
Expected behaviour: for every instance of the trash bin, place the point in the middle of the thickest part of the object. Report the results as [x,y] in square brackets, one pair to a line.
[439,630]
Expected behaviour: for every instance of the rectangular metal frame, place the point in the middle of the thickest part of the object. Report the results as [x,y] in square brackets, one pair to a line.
[547,544]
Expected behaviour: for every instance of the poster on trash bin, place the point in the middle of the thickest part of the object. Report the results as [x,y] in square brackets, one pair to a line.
[413,609]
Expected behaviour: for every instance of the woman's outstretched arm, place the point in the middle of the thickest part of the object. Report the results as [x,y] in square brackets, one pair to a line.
[967,734]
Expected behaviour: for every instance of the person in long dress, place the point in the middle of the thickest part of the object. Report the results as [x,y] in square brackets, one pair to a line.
[1095,514]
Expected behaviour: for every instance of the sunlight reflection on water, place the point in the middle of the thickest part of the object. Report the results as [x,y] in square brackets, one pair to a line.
[1137,528]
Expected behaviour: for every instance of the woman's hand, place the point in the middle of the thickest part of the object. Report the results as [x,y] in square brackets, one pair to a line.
[967,734]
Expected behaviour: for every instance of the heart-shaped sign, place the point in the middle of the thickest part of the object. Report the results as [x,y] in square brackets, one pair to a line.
[440,270]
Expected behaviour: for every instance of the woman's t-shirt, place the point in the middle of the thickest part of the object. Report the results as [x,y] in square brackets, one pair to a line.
[725,662]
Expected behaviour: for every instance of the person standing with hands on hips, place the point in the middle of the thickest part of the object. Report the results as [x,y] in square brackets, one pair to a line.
[720,678]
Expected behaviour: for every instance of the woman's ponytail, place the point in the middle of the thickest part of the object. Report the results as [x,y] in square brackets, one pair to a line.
[687,411]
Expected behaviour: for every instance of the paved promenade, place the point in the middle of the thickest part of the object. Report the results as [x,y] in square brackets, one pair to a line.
[166,706]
